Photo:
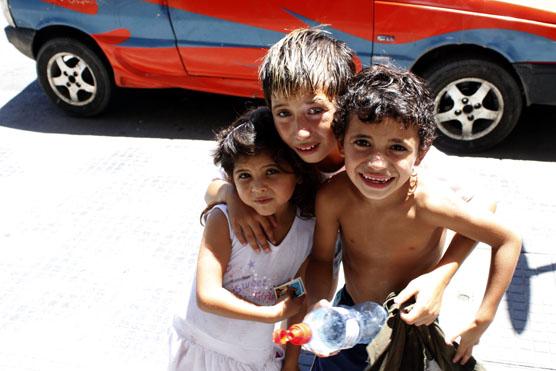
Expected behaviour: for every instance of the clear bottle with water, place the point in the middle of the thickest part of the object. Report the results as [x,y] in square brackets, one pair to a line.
[330,329]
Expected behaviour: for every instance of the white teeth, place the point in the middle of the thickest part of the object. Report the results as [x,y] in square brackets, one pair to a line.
[376,180]
[308,148]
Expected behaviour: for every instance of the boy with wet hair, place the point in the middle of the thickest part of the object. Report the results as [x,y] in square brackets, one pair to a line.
[302,75]
[391,217]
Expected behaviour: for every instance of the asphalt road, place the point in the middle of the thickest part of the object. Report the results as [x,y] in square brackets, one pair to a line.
[99,227]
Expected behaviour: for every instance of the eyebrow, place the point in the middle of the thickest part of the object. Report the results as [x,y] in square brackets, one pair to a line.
[314,99]
[239,170]
[267,165]
[360,136]
[276,106]
[364,136]
[398,140]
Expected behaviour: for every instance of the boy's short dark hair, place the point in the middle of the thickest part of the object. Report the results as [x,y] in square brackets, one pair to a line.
[379,92]
[307,60]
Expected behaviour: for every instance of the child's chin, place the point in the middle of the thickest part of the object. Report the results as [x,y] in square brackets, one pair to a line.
[312,158]
[264,212]
[375,194]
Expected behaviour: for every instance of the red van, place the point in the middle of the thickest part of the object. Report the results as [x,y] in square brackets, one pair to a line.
[484,59]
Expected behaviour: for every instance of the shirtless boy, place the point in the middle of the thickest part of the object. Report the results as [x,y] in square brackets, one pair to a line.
[392,218]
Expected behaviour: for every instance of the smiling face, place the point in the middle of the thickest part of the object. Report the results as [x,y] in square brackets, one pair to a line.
[379,157]
[263,184]
[304,122]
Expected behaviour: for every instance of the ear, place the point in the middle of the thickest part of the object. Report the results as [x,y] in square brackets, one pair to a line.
[341,147]
[421,155]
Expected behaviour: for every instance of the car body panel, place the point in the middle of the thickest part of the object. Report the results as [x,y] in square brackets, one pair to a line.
[223,39]
[517,40]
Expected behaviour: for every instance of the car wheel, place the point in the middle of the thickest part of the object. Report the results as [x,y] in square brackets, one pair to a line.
[74,77]
[477,104]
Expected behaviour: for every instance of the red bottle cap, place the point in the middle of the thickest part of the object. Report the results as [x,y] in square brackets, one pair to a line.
[299,334]
[280,336]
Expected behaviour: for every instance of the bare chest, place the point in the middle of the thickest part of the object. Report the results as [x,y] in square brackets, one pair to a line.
[388,234]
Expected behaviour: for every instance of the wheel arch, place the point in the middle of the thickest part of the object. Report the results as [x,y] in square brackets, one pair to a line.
[52,32]
[467,51]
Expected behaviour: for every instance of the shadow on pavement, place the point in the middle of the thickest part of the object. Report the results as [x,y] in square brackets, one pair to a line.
[160,113]
[182,114]
[518,295]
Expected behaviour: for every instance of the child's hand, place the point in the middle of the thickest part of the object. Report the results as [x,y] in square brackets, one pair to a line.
[289,306]
[427,290]
[469,337]
[319,304]
[249,226]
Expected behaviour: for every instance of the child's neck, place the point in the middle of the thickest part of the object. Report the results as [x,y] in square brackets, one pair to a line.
[284,221]
[331,163]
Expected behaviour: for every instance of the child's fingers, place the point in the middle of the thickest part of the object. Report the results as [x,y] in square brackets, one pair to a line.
[252,232]
[451,339]
[268,224]
[291,304]
[291,292]
[256,238]
[407,293]
[238,231]
[417,315]
[250,237]
[463,354]
[259,237]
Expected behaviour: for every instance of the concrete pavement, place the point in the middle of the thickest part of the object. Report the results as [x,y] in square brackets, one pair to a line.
[99,237]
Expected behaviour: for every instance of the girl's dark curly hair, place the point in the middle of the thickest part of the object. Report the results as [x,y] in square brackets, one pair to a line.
[254,133]
[381,92]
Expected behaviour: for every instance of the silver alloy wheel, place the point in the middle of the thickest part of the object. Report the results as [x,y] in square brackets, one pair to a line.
[71,79]
[468,109]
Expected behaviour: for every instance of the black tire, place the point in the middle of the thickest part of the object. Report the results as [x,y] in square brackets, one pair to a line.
[486,101]
[74,77]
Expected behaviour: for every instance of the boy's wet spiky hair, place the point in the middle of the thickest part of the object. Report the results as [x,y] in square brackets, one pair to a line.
[380,92]
[307,60]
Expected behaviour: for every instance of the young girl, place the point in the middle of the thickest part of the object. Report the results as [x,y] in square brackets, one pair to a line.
[228,322]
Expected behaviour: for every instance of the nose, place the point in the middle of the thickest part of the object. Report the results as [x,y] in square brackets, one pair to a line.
[303,133]
[376,161]
[302,127]
[258,186]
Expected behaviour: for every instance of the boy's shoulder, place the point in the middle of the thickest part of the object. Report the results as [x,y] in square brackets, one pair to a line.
[335,191]
[435,196]
[337,182]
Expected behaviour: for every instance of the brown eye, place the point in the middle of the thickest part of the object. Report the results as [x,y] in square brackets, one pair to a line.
[398,148]
[243,176]
[272,171]
[315,111]
[362,143]
[282,114]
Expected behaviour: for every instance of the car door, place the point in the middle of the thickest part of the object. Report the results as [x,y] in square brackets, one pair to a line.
[220,38]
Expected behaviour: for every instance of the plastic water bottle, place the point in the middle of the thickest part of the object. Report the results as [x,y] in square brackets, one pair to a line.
[329,329]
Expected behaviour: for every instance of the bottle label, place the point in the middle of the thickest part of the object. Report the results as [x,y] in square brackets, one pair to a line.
[352,328]
[352,332]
